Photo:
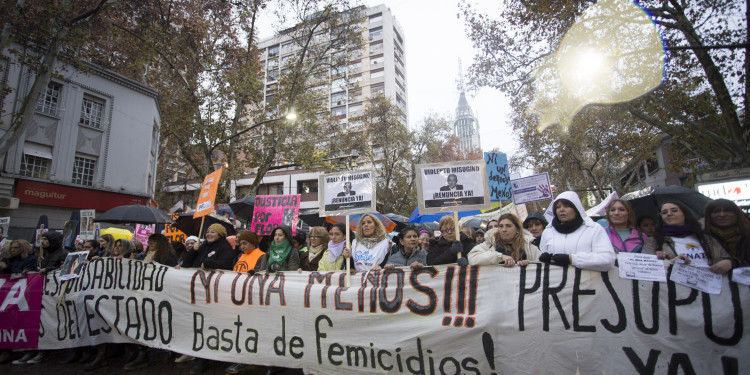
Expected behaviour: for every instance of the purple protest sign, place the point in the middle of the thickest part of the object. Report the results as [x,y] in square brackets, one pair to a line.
[273,210]
[20,309]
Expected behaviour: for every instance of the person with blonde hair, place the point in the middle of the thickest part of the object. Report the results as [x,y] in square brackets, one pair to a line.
[317,245]
[370,247]
[19,258]
[506,244]
[621,229]
[445,248]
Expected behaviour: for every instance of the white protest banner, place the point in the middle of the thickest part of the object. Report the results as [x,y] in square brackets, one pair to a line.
[73,264]
[87,224]
[454,186]
[347,193]
[434,320]
[638,266]
[531,189]
[700,278]
[741,275]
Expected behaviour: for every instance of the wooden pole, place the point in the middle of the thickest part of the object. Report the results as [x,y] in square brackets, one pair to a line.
[458,234]
[200,231]
[348,246]
[62,295]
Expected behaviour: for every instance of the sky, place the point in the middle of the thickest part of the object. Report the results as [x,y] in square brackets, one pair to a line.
[435,39]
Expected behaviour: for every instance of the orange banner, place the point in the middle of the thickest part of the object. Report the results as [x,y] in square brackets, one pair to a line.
[207,195]
[172,233]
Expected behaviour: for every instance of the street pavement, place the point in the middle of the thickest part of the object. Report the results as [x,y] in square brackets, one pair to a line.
[159,363]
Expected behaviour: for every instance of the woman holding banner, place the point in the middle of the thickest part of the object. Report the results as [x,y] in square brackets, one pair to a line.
[281,255]
[160,250]
[679,236]
[333,257]
[621,229]
[409,253]
[250,253]
[318,244]
[444,249]
[370,247]
[506,244]
[575,239]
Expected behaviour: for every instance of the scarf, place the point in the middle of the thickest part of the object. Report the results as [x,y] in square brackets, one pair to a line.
[315,251]
[678,231]
[335,250]
[728,237]
[279,252]
[368,242]
[567,227]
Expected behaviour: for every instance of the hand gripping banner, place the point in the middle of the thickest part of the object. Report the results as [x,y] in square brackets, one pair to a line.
[435,320]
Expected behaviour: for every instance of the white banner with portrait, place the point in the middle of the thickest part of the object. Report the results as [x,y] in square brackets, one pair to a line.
[454,186]
[347,193]
[435,320]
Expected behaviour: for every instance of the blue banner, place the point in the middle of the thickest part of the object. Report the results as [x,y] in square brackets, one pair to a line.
[498,176]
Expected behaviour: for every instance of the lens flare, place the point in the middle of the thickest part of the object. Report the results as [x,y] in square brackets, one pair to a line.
[612,54]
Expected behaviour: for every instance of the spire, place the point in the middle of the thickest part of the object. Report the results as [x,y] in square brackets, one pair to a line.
[460,77]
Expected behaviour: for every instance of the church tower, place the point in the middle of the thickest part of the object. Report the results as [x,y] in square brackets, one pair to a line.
[465,126]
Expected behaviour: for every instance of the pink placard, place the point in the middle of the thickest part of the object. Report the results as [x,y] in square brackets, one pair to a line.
[20,309]
[273,210]
[142,232]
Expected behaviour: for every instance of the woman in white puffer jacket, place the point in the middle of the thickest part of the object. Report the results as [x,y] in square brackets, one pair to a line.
[574,239]
[507,244]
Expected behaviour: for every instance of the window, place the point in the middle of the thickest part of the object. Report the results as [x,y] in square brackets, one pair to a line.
[376,32]
[376,48]
[91,113]
[273,51]
[34,166]
[338,98]
[49,99]
[83,171]
[306,187]
[338,85]
[378,88]
[377,17]
[377,74]
[338,111]
[271,189]
[376,62]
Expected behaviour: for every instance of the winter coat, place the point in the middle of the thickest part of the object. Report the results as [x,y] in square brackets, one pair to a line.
[400,259]
[17,265]
[589,245]
[217,255]
[487,254]
[633,244]
[440,250]
[54,255]
[291,263]
[325,266]
[714,253]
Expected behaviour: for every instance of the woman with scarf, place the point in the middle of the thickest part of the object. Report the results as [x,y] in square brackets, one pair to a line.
[333,257]
[317,245]
[409,253]
[370,247]
[621,229]
[506,244]
[726,222]
[160,251]
[281,255]
[679,236]
[575,239]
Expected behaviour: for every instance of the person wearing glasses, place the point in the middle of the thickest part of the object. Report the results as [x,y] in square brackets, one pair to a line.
[679,236]
[445,248]
[726,222]
[318,244]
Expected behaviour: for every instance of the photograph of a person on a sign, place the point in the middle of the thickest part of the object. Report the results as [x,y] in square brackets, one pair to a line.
[347,193]
[454,186]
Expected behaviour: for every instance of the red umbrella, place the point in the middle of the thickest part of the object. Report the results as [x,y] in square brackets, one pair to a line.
[354,221]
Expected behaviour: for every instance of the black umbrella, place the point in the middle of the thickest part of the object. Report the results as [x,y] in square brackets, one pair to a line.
[473,223]
[312,219]
[646,202]
[191,226]
[401,221]
[243,207]
[134,213]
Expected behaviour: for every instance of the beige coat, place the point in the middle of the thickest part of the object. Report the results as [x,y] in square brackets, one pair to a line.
[485,254]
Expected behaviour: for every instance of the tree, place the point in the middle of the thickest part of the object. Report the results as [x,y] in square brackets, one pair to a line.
[697,103]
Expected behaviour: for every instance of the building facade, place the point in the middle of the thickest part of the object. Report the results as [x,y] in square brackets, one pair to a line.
[466,126]
[92,144]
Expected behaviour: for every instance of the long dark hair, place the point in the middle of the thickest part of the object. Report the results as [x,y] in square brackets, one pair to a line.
[163,248]
[402,235]
[690,220]
[717,204]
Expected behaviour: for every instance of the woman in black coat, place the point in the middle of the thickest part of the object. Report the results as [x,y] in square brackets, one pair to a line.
[215,253]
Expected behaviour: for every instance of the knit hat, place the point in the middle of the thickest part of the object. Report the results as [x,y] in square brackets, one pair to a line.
[219,229]
[194,238]
[249,236]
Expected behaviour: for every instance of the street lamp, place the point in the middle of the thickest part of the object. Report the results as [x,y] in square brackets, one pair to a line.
[291,116]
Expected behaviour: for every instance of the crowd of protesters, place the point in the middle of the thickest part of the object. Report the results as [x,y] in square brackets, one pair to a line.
[721,241]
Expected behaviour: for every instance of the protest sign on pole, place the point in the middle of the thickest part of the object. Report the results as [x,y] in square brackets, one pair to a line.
[4,225]
[87,224]
[434,320]
[141,233]
[205,204]
[273,210]
[347,193]
[73,265]
[453,186]
[531,189]
[171,231]
[20,309]
[498,176]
